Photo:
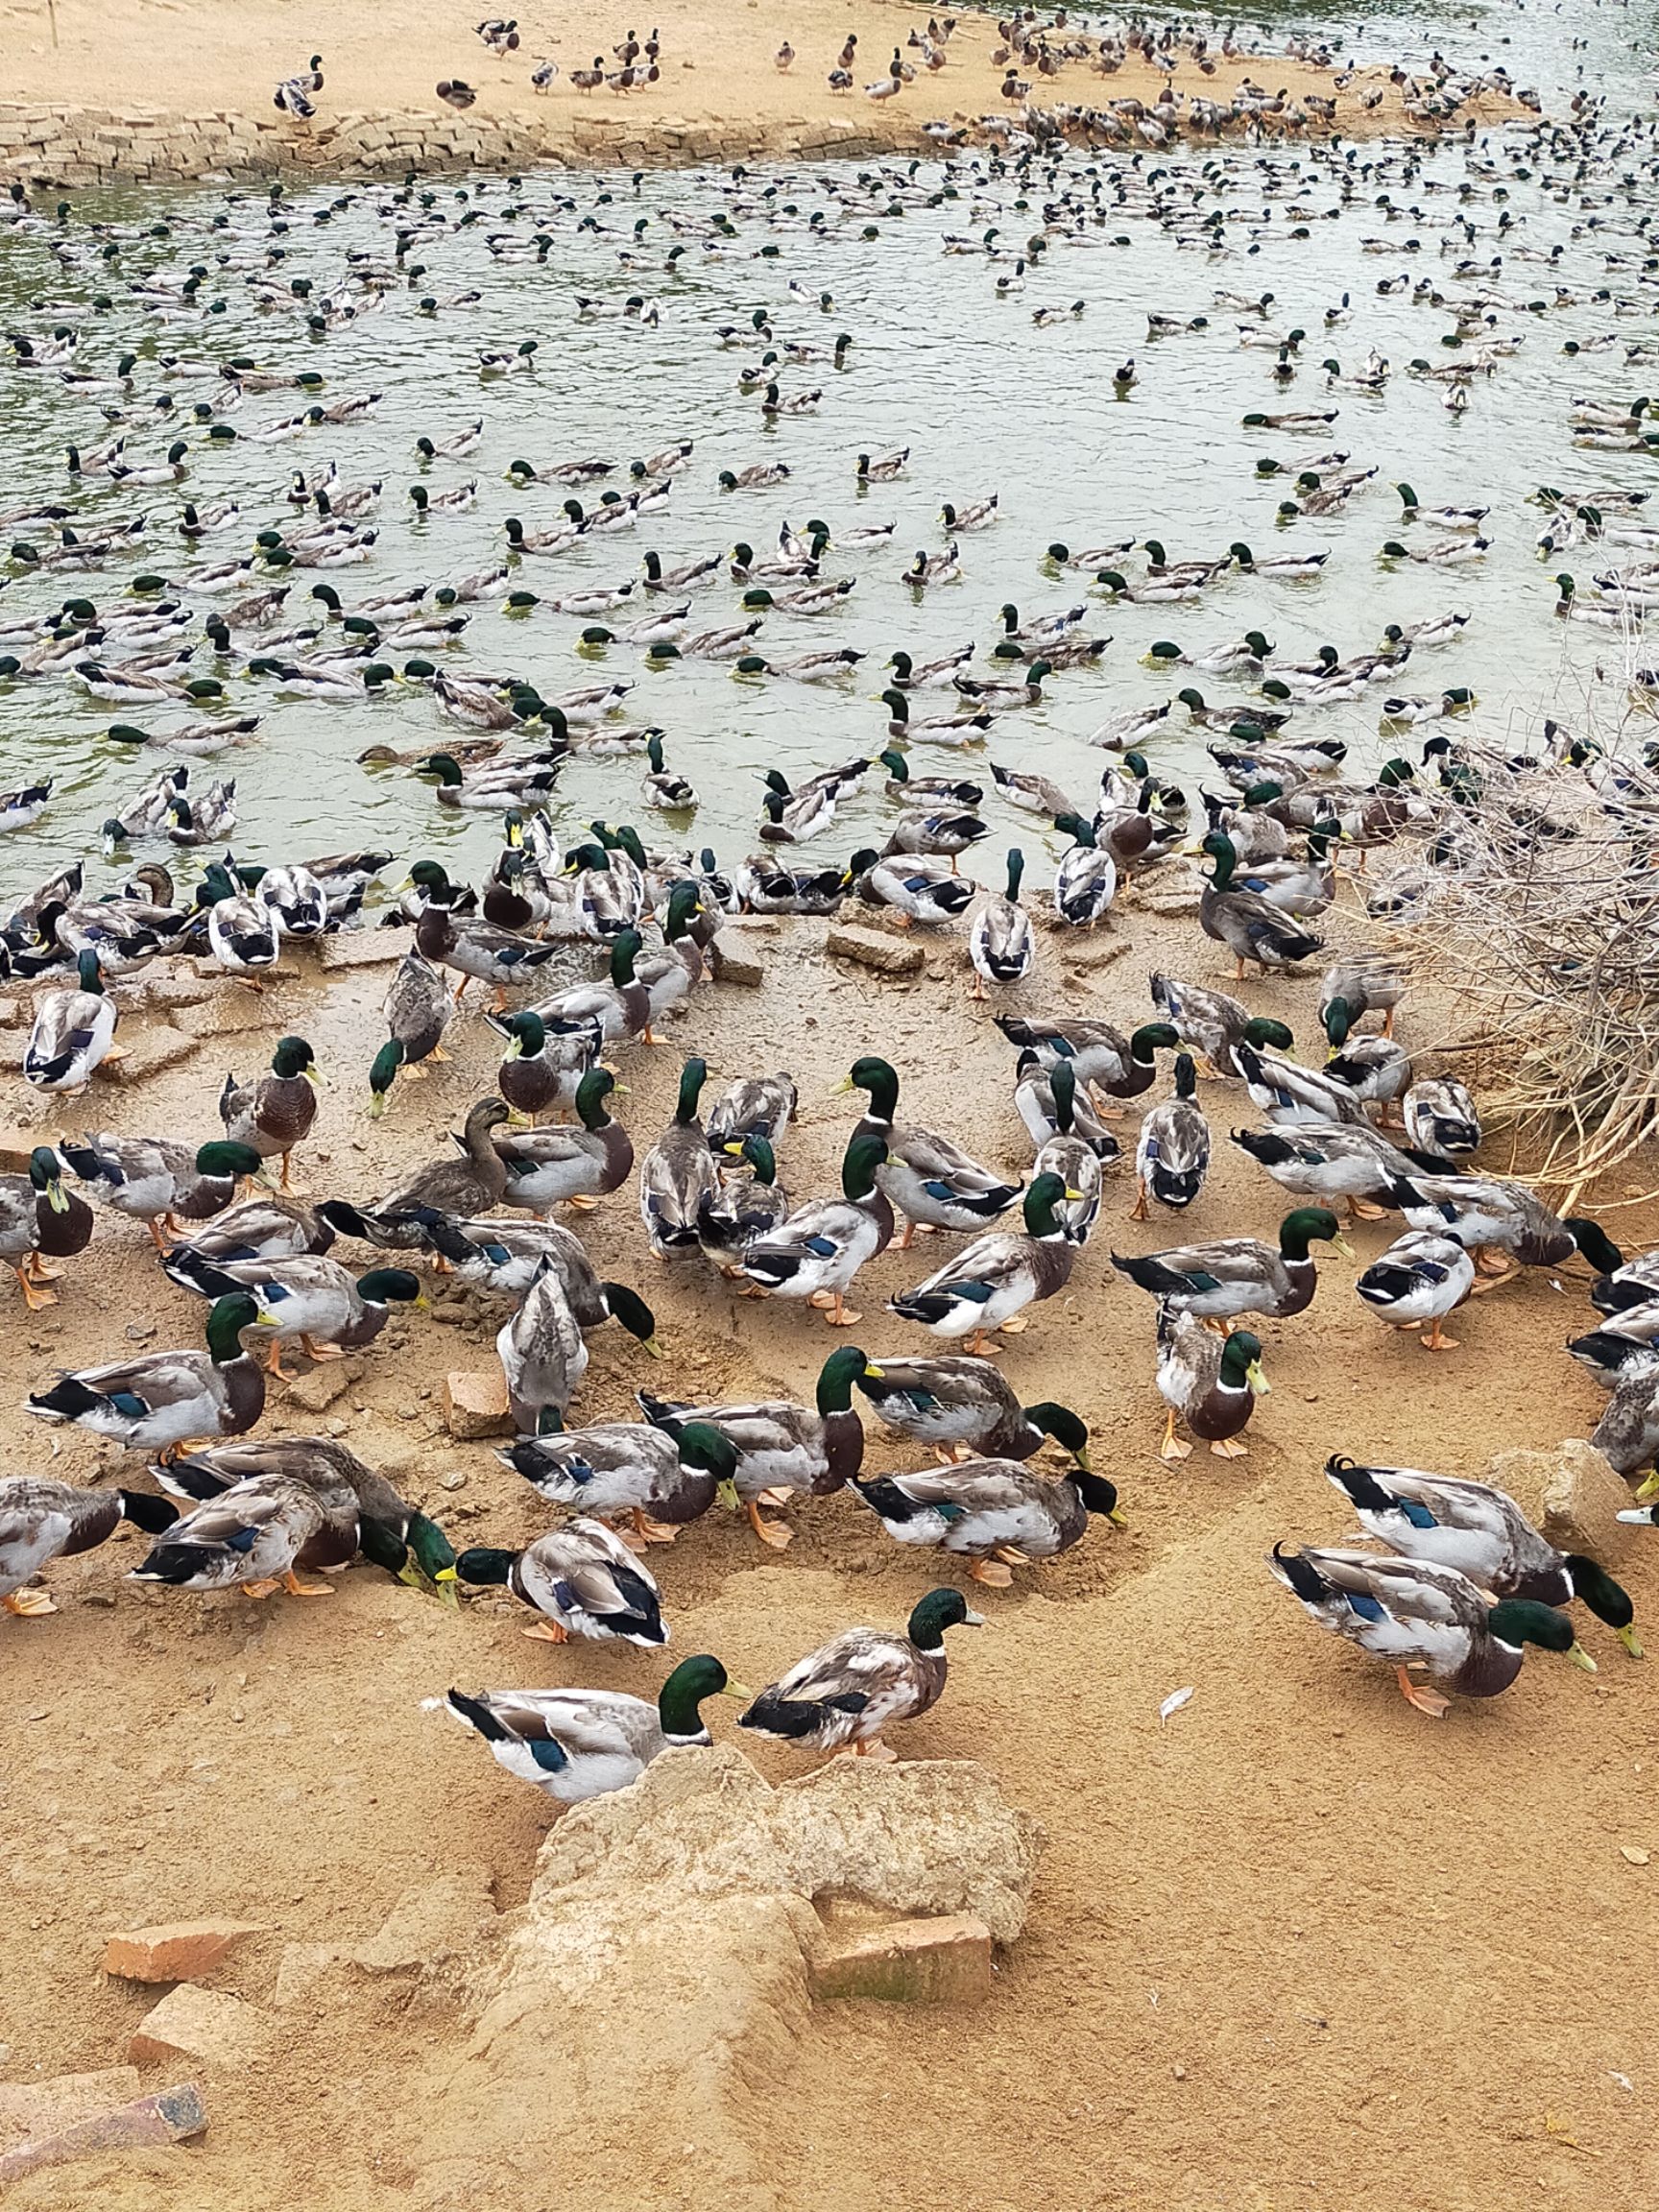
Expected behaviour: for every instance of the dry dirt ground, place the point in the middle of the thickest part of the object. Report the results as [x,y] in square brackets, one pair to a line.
[185,57]
[1298,1948]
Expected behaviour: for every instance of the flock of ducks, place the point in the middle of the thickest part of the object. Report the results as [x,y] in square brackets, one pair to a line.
[1462,1583]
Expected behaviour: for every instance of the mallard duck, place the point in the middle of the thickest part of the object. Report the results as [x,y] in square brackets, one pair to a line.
[479,949]
[1248,924]
[1416,1613]
[539,1071]
[1490,1216]
[1172,1152]
[621,1006]
[548,1167]
[1619,1284]
[917,887]
[40,1219]
[73,1032]
[909,675]
[390,1532]
[993,697]
[1327,1160]
[1209,1381]
[659,1482]
[1231,1275]
[817,1250]
[262,1229]
[1086,882]
[580,1743]
[1289,1093]
[1441,1118]
[1482,1533]
[309,1299]
[963,729]
[256,1535]
[469,1185]
[745,1209]
[927,790]
[926,1177]
[297,897]
[42,1521]
[1032,793]
[964,1407]
[275,1112]
[582,1580]
[155,1180]
[990,1510]
[1374,1068]
[668,976]
[861,1681]
[1627,1433]
[783,1447]
[754,1106]
[542,1352]
[243,933]
[988,1285]
[677,1175]
[416,1008]
[162,1401]
[1099,1056]
[1357,986]
[1213,1024]
[1071,1140]
[1420,1276]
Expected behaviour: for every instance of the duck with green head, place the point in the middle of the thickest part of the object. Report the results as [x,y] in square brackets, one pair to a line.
[73,1032]
[275,1112]
[990,1510]
[748,1205]
[538,1073]
[661,1482]
[1209,1381]
[155,1180]
[677,1175]
[964,1407]
[159,1403]
[1247,924]
[860,1682]
[38,1217]
[927,1177]
[988,1284]
[1416,1613]
[573,1167]
[782,1447]
[1100,1057]
[1219,1280]
[580,1744]
[817,1250]
[390,1533]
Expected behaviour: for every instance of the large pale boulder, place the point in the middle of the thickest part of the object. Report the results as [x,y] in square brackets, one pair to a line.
[1570,1492]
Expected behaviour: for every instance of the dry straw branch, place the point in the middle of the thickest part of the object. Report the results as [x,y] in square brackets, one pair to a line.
[1543,929]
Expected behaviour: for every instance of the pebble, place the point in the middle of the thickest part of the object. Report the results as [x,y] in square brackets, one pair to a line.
[452,1482]
[140,1332]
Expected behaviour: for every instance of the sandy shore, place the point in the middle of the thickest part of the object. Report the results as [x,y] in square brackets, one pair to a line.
[1270,1940]
[184,86]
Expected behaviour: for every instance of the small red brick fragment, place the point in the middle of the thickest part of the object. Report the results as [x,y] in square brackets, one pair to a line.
[182,1951]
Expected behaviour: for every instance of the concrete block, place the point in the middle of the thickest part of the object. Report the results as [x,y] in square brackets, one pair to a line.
[942,1961]
[203,2024]
[870,949]
[362,949]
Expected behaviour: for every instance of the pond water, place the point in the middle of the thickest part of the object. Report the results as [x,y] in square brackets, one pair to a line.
[986,398]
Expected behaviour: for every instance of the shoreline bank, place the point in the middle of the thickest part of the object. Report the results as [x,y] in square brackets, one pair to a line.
[150,91]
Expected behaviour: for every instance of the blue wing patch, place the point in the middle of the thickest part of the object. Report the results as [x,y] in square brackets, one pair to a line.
[825,1247]
[1368,1608]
